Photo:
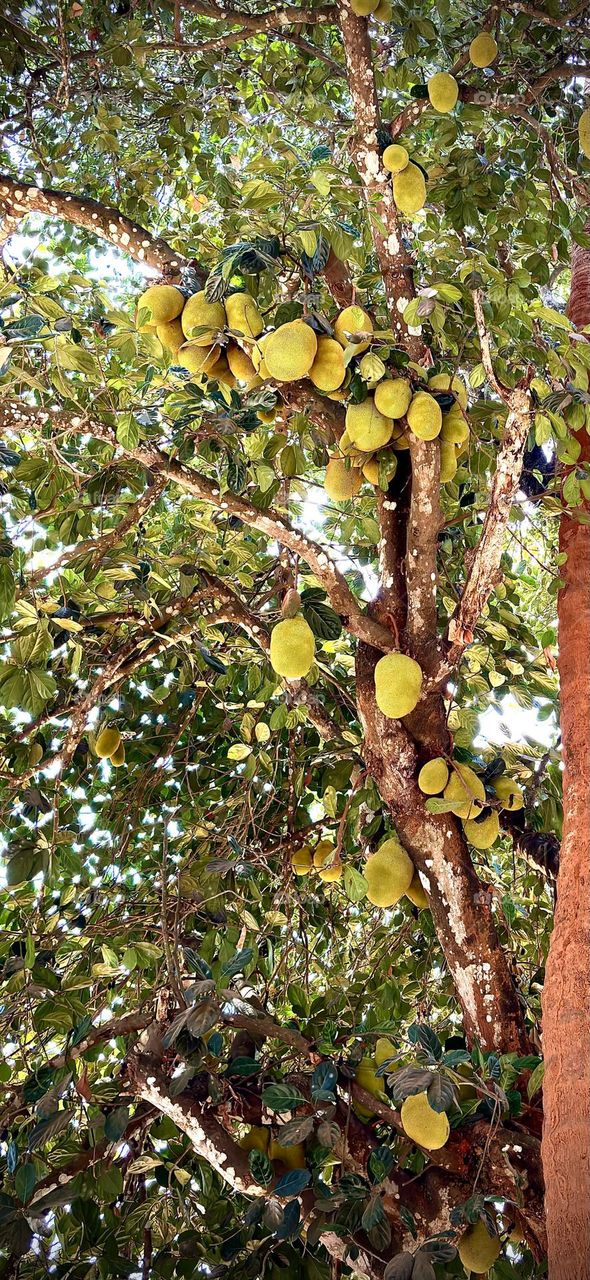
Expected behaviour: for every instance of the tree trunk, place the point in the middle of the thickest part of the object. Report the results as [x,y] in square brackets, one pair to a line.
[566,998]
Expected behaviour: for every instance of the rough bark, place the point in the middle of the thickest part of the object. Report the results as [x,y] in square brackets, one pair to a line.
[566,997]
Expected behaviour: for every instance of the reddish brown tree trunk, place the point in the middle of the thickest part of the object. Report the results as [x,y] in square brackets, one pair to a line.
[566,999]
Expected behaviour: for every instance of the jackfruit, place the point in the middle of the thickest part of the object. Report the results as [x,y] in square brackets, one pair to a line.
[366,1076]
[443,91]
[383,467]
[118,756]
[393,397]
[482,835]
[398,685]
[202,319]
[323,861]
[292,648]
[433,776]
[352,322]
[509,794]
[446,382]
[400,439]
[483,50]
[302,861]
[239,362]
[164,302]
[291,1157]
[327,371]
[198,359]
[289,352]
[409,189]
[395,158]
[107,742]
[424,1125]
[349,450]
[363,8]
[342,482]
[466,790]
[417,893]
[584,132]
[455,429]
[256,1139]
[368,429]
[388,873]
[371,471]
[242,315]
[448,461]
[171,336]
[371,367]
[384,11]
[424,416]
[477,1249]
[384,1049]
[257,353]
[221,372]
[35,754]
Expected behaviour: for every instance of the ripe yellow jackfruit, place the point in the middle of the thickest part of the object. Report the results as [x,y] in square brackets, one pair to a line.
[400,439]
[363,7]
[302,861]
[342,482]
[395,158]
[482,835]
[371,471]
[239,362]
[368,429]
[118,756]
[398,685]
[584,132]
[289,352]
[446,382]
[388,873]
[466,790]
[424,1125]
[323,861]
[107,742]
[171,336]
[477,1249]
[455,428]
[393,397]
[349,450]
[384,1049]
[366,1076]
[164,302]
[509,793]
[433,776]
[256,1139]
[384,11]
[352,322]
[198,359]
[292,648]
[417,893]
[243,315]
[424,416]
[291,1157]
[409,189]
[221,372]
[327,371]
[483,50]
[443,91]
[448,461]
[202,319]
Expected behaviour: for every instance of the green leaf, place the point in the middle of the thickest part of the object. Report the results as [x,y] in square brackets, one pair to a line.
[7,590]
[260,1168]
[355,885]
[25,1181]
[535,1080]
[281,1097]
[322,619]
[128,432]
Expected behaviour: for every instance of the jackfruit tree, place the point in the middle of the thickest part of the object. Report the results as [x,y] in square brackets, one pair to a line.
[294,554]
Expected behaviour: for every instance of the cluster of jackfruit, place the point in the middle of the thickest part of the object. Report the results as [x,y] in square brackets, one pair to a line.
[321,859]
[407,179]
[259,1138]
[463,788]
[109,745]
[210,339]
[379,9]
[390,873]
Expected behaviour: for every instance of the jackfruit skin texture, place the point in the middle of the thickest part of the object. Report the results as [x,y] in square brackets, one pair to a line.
[482,835]
[466,790]
[363,8]
[107,742]
[327,371]
[433,776]
[342,482]
[367,427]
[323,861]
[383,12]
[400,439]
[483,50]
[388,873]
[257,1139]
[477,1249]
[302,861]
[424,1125]
[409,189]
[349,450]
[384,1049]
[365,1075]
[395,158]
[163,301]
[371,471]
[171,335]
[118,756]
[221,372]
[448,461]
[292,648]
[424,416]
[199,314]
[444,382]
[353,320]
[454,428]
[291,1157]
[239,362]
[417,893]
[393,397]
[509,794]
[289,352]
[198,359]
[584,132]
[242,315]
[398,685]
[443,92]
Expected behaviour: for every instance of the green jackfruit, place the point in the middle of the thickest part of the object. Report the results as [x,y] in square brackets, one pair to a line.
[289,352]
[443,91]
[409,189]
[327,371]
[448,382]
[243,316]
[302,861]
[388,873]
[368,429]
[171,336]
[395,158]
[424,416]
[292,648]
[393,397]
[466,790]
[239,362]
[342,482]
[197,359]
[353,327]
[417,893]
[256,1139]
[107,742]
[201,319]
[483,834]
[477,1249]
[483,50]
[424,1125]
[509,793]
[448,461]
[164,302]
[433,776]
[398,685]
